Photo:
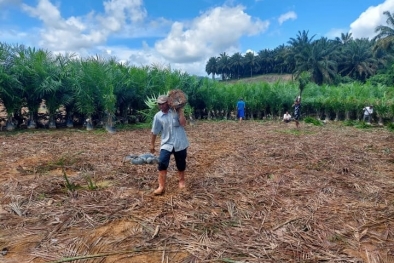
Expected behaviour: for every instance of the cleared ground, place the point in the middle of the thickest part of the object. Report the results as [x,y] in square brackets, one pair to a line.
[256,192]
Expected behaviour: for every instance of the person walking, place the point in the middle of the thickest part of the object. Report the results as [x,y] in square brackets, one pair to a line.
[297,110]
[241,106]
[170,124]
[368,113]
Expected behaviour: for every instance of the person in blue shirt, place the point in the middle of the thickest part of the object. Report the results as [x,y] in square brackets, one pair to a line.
[241,109]
[170,124]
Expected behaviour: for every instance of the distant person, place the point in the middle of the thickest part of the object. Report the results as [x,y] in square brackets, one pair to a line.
[241,109]
[297,110]
[367,113]
[287,117]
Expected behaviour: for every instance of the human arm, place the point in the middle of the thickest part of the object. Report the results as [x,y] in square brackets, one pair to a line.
[152,143]
[182,118]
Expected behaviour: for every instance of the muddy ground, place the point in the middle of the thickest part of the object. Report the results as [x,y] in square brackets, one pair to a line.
[259,191]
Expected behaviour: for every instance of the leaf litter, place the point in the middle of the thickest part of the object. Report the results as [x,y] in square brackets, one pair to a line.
[257,191]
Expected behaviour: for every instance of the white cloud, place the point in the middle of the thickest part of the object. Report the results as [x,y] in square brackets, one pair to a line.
[206,35]
[119,12]
[364,26]
[287,16]
[185,45]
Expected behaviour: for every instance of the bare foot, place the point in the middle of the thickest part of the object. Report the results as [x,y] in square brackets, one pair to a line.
[182,184]
[159,191]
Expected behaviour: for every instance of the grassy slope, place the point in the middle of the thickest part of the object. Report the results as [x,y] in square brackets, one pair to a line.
[266,77]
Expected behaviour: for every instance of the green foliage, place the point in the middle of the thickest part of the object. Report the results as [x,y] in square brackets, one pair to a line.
[349,123]
[390,127]
[91,185]
[152,108]
[363,125]
[69,186]
[313,121]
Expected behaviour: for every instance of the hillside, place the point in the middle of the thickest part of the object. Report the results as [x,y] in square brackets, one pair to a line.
[265,78]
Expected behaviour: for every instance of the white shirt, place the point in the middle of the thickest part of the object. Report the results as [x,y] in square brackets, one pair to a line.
[368,110]
[287,116]
[173,135]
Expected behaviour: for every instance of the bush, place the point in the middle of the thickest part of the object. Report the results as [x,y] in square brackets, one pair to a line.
[313,121]
[390,127]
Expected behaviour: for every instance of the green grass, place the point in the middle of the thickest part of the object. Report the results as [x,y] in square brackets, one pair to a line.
[313,121]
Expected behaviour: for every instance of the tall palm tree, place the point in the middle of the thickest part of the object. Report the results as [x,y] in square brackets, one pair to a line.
[236,62]
[212,67]
[301,41]
[345,38]
[357,59]
[385,34]
[224,65]
[251,61]
[319,59]
[266,61]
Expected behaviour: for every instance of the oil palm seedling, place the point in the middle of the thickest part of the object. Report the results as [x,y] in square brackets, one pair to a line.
[10,87]
[86,92]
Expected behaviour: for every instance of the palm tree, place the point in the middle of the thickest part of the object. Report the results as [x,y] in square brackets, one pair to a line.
[344,39]
[224,65]
[236,62]
[266,61]
[319,59]
[301,41]
[385,36]
[10,87]
[212,67]
[37,76]
[251,61]
[357,60]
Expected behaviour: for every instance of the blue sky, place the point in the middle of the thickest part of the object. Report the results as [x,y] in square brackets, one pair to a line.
[180,34]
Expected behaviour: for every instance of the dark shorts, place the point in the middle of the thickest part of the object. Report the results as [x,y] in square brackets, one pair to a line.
[180,159]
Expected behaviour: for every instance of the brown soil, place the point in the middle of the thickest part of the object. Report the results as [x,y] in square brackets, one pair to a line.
[256,192]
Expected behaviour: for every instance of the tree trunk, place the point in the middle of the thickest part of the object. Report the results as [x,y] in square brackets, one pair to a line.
[380,120]
[347,115]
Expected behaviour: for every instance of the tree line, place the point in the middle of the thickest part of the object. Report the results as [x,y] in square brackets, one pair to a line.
[330,61]
[104,90]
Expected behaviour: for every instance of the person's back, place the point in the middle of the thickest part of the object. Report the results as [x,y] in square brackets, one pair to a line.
[241,105]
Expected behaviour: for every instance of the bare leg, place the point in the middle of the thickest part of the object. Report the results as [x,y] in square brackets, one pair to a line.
[181,179]
[162,183]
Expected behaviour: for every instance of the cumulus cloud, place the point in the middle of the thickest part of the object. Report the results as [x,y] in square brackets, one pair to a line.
[182,45]
[287,16]
[92,29]
[206,34]
[364,26]
[119,12]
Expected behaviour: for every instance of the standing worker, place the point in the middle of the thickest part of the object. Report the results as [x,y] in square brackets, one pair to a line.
[368,113]
[170,123]
[241,109]
[297,110]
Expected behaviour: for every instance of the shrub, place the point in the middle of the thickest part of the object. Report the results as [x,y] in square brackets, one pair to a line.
[313,121]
